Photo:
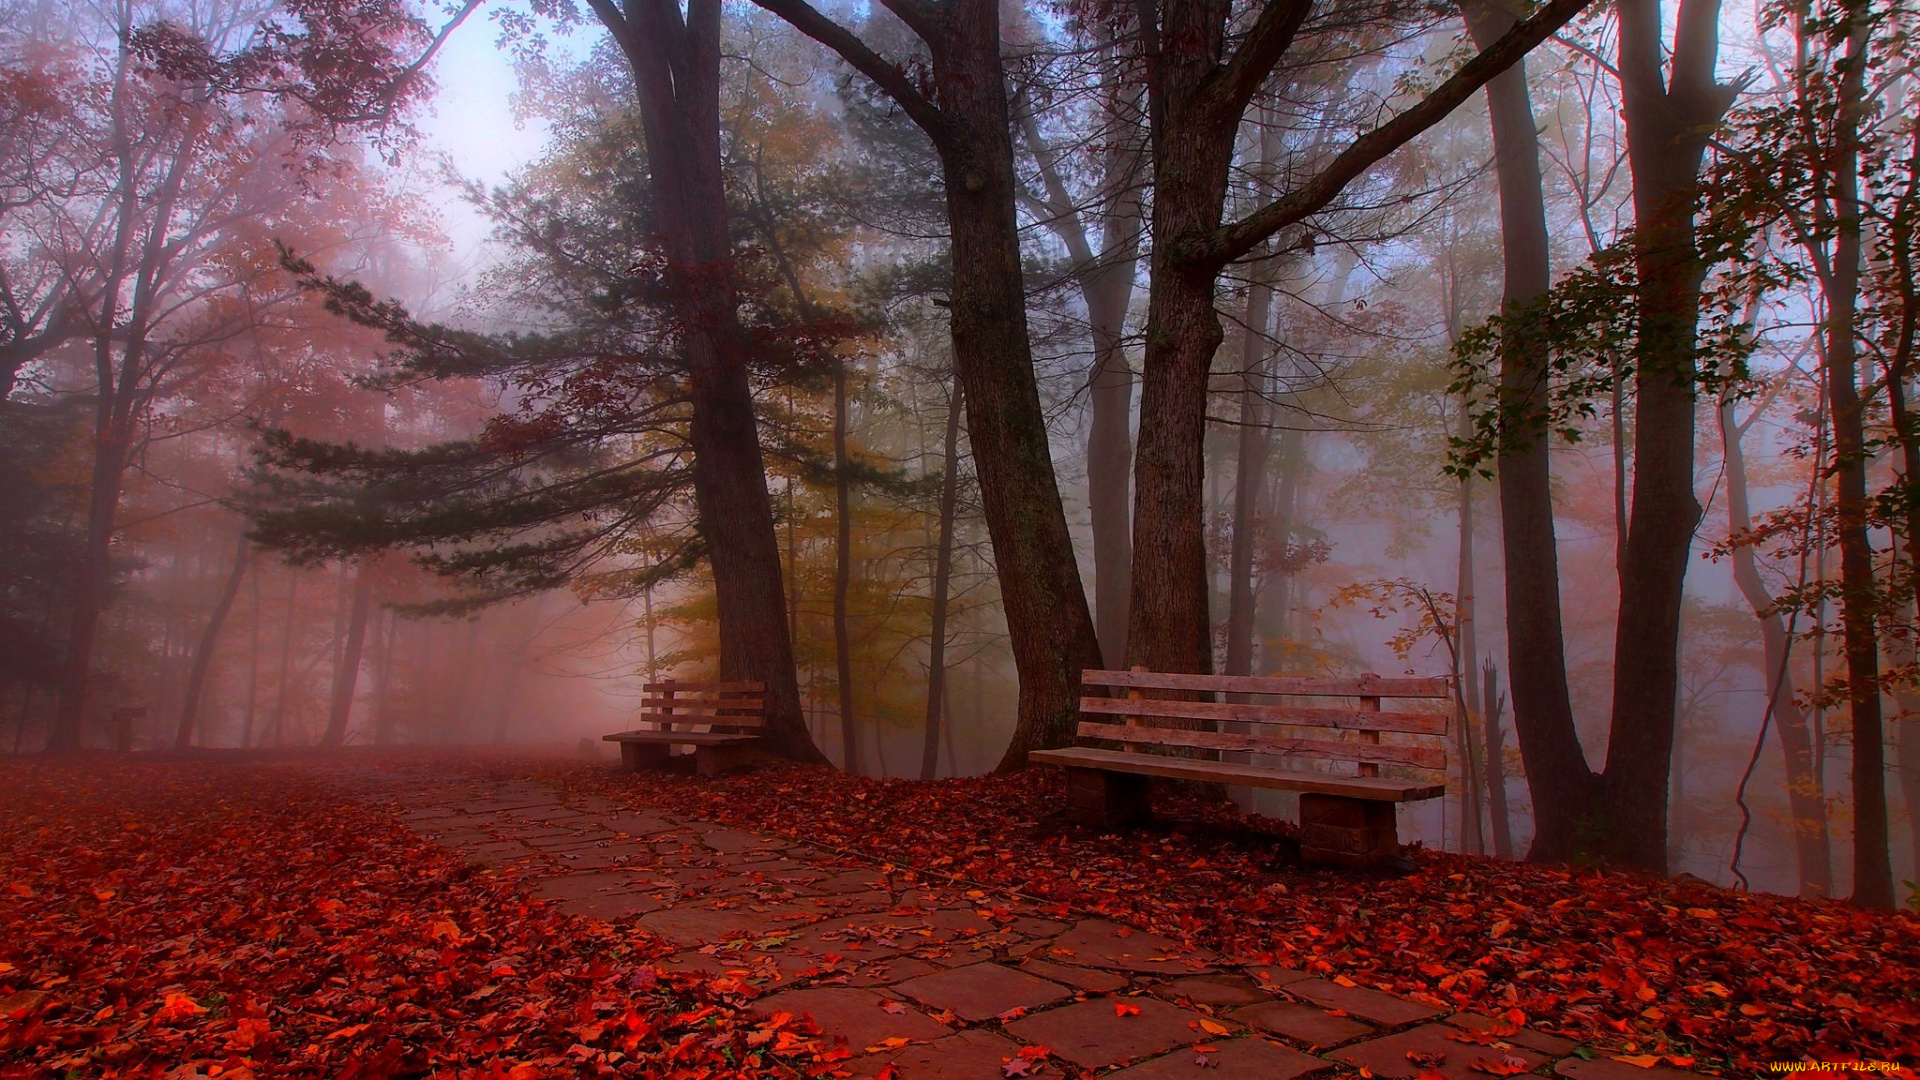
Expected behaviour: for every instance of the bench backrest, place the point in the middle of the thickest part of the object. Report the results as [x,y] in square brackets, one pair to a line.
[716,705]
[1137,721]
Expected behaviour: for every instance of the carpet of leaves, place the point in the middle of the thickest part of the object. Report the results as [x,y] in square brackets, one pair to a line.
[183,919]
[1623,962]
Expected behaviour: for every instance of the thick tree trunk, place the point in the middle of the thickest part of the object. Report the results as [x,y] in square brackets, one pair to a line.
[675,63]
[942,579]
[1557,771]
[1049,625]
[346,671]
[203,652]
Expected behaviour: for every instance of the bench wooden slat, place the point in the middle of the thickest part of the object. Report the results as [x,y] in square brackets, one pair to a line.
[1373,789]
[1411,723]
[706,687]
[1425,757]
[680,738]
[702,704]
[704,721]
[1365,686]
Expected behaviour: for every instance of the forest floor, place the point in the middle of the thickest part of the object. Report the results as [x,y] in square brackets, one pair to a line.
[400,914]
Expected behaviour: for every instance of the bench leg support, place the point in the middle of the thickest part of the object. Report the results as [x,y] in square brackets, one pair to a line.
[714,760]
[1338,831]
[643,756]
[1107,800]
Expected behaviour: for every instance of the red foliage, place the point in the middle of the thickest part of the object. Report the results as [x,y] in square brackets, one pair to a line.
[1618,960]
[165,919]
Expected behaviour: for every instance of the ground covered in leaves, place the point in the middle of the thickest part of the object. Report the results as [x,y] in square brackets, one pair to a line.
[1698,975]
[184,919]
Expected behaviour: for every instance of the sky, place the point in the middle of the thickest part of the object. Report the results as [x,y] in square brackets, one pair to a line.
[472,123]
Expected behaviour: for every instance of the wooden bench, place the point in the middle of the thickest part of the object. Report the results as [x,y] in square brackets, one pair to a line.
[722,721]
[1344,819]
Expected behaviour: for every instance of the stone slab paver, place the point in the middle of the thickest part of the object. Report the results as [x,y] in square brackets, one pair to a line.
[871,952]
[1550,1045]
[1302,1023]
[1605,1068]
[1250,1058]
[859,1017]
[1455,1060]
[1362,1001]
[1099,943]
[1094,979]
[967,1055]
[1091,1035]
[982,991]
[1219,991]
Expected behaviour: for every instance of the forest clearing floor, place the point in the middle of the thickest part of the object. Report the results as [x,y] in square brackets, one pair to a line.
[404,913]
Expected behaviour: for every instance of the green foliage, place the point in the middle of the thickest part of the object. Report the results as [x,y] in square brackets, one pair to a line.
[1587,332]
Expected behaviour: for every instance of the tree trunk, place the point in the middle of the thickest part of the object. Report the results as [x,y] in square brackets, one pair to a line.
[1494,739]
[1556,766]
[1472,839]
[1667,128]
[346,673]
[1811,840]
[1049,625]
[286,660]
[1859,592]
[91,580]
[203,653]
[253,661]
[675,63]
[1249,465]
[843,571]
[942,579]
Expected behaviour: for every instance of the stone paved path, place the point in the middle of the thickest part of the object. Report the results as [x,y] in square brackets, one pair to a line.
[946,982]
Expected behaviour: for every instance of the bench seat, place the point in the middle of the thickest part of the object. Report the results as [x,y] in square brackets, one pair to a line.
[1371,788]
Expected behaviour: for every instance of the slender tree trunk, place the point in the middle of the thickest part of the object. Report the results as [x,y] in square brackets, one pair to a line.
[253,660]
[209,638]
[385,625]
[843,571]
[1811,840]
[1472,839]
[1860,594]
[346,672]
[942,581]
[1249,466]
[286,660]
[1492,705]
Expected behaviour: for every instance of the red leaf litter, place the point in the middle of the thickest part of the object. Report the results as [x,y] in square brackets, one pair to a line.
[183,920]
